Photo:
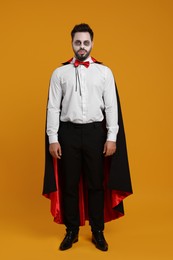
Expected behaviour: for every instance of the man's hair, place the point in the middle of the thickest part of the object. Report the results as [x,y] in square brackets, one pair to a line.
[83,27]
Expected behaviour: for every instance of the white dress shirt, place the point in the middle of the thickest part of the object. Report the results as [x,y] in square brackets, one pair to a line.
[81,95]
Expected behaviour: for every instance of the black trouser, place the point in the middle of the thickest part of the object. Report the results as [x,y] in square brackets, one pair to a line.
[82,150]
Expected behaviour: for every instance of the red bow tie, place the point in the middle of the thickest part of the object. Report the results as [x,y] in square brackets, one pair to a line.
[78,62]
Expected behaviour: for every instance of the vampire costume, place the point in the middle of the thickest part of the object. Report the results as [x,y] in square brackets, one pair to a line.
[117,181]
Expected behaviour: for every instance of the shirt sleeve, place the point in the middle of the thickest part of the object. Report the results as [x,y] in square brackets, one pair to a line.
[53,108]
[111,108]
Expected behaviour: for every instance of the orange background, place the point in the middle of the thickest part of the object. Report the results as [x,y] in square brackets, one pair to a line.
[135,39]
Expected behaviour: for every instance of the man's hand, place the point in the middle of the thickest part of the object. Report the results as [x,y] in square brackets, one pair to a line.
[55,150]
[109,148]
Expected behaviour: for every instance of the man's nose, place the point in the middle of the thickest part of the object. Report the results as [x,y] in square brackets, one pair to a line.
[82,45]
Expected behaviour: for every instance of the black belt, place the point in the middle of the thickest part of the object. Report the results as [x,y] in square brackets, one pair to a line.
[77,125]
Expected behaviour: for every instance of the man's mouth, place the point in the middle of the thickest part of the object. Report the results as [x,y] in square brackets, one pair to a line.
[81,52]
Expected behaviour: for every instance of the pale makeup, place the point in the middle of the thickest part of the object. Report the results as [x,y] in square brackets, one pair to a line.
[82,45]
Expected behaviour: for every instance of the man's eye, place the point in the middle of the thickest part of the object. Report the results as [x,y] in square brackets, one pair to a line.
[77,43]
[87,43]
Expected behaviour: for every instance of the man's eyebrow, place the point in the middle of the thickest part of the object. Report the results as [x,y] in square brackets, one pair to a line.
[80,41]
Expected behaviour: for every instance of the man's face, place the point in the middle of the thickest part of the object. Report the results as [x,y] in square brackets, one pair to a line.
[82,45]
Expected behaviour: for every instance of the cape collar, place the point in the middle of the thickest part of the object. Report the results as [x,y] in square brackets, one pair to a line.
[90,59]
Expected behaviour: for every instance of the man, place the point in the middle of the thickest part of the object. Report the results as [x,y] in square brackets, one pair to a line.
[82,100]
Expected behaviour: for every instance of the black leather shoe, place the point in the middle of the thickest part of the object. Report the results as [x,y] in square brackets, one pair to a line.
[99,240]
[68,241]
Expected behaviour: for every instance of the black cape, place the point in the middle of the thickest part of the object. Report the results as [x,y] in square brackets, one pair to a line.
[117,181]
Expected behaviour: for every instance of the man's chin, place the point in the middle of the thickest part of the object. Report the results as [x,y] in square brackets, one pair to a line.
[81,57]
